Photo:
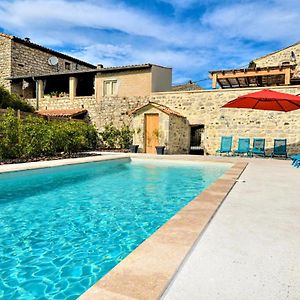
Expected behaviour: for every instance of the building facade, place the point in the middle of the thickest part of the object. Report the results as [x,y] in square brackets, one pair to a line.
[21,57]
[110,94]
[202,109]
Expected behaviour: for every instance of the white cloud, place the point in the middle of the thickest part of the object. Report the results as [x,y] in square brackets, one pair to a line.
[259,21]
[45,15]
[113,33]
[111,55]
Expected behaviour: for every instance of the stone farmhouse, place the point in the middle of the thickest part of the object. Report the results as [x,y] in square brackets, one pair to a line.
[20,57]
[185,120]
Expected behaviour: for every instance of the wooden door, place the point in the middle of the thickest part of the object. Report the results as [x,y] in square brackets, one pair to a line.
[151,132]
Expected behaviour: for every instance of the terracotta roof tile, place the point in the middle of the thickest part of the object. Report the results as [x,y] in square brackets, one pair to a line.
[62,112]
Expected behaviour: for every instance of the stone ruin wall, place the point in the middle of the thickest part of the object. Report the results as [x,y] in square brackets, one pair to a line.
[201,107]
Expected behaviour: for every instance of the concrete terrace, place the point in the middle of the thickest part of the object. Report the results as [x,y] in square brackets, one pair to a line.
[251,248]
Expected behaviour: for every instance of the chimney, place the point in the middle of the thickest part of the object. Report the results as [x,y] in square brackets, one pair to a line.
[99,66]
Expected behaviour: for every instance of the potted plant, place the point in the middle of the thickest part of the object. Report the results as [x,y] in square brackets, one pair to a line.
[133,148]
[159,149]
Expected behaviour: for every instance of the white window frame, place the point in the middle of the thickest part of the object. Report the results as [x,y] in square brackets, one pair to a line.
[110,82]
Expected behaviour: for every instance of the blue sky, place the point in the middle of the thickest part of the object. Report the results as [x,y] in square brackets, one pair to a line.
[191,36]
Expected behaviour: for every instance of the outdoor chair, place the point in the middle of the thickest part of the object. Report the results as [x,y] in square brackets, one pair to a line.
[279,148]
[226,144]
[258,147]
[296,161]
[243,146]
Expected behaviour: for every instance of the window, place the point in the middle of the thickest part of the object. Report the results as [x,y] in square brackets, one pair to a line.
[67,66]
[110,88]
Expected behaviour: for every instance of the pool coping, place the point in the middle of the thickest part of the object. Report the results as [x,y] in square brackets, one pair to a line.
[59,162]
[148,270]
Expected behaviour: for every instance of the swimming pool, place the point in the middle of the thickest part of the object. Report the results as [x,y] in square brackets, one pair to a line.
[63,228]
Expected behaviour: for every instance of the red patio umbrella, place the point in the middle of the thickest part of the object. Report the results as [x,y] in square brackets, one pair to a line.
[266,100]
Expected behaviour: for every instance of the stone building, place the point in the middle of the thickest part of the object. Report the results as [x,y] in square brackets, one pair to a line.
[113,82]
[110,94]
[21,57]
[280,68]
[287,56]
[157,125]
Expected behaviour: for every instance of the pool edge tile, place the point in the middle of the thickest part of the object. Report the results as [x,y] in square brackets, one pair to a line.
[59,162]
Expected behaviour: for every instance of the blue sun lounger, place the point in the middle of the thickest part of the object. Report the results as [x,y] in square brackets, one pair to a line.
[279,148]
[258,147]
[296,161]
[243,146]
[226,144]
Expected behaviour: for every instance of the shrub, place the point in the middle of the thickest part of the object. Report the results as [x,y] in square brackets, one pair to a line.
[13,101]
[113,137]
[34,136]
[74,136]
[109,136]
[9,135]
[125,138]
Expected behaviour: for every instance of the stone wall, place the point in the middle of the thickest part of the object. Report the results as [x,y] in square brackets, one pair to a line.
[279,56]
[5,59]
[200,107]
[204,107]
[28,60]
[179,135]
[109,109]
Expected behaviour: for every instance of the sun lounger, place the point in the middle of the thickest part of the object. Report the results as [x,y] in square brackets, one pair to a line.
[258,147]
[226,144]
[296,161]
[243,146]
[279,148]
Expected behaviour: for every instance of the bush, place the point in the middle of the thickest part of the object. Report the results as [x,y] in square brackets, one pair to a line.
[125,138]
[113,137]
[13,101]
[9,135]
[34,136]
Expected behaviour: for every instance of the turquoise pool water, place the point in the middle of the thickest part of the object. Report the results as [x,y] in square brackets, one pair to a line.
[63,228]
